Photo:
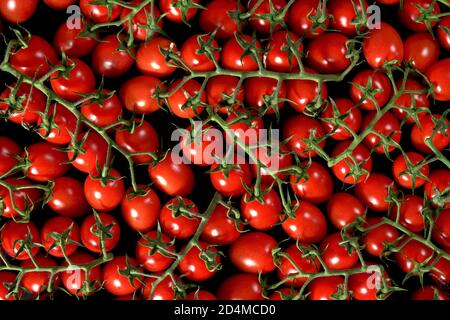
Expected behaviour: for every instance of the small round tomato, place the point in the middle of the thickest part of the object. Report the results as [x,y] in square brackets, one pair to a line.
[217,16]
[302,17]
[380,88]
[379,235]
[140,211]
[99,13]
[148,15]
[176,222]
[46,162]
[383,45]
[344,107]
[138,94]
[151,259]
[410,170]
[260,94]
[241,286]
[417,98]
[230,180]
[428,129]
[429,293]
[36,282]
[104,196]
[327,53]
[117,283]
[95,149]
[439,76]
[103,112]
[441,231]
[279,56]
[441,270]
[9,153]
[344,13]
[374,191]
[364,286]
[59,4]
[411,208]
[17,11]
[177,11]
[283,294]
[262,215]
[443,35]
[421,50]
[235,57]
[24,200]
[150,59]
[92,232]
[67,198]
[315,186]
[355,168]
[337,256]
[295,261]
[185,101]
[7,280]
[194,267]
[272,163]
[71,42]
[221,93]
[195,57]
[387,126]
[309,224]
[410,14]
[325,288]
[52,234]
[198,145]
[62,127]
[412,253]
[14,237]
[247,129]
[164,290]
[257,20]
[221,229]
[343,209]
[200,295]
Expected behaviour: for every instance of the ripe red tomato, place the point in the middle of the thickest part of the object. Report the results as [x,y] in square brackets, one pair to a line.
[355,168]
[141,211]
[364,286]
[429,293]
[104,197]
[138,94]
[260,92]
[344,107]
[411,100]
[99,13]
[176,225]
[411,253]
[337,256]
[151,260]
[63,125]
[195,57]
[194,268]
[411,208]
[13,237]
[185,100]
[380,84]
[389,2]
[220,91]
[279,56]
[95,149]
[216,16]
[404,172]
[272,163]
[235,58]
[36,282]
[421,50]
[283,294]
[221,229]
[327,53]
[103,112]
[410,14]
[59,4]
[378,235]
[325,288]
[67,198]
[52,243]
[343,208]
[241,286]
[174,10]
[439,76]
[165,290]
[247,130]
[72,43]
[231,181]
[141,19]
[47,162]
[16,11]
[257,19]
[309,224]
[91,232]
[150,59]
[296,261]
[8,279]
[387,126]
[200,295]
[344,13]
[301,16]
[199,145]
[441,270]
[383,45]
[441,232]
[24,200]
[374,191]
[9,151]
[262,215]
[316,186]
[428,129]
[117,283]
[443,36]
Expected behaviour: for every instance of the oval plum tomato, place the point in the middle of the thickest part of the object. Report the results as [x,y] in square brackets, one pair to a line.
[71,41]
[302,16]
[7,280]
[429,293]
[79,282]
[67,198]
[252,252]
[272,162]
[172,178]
[143,138]
[264,213]
[193,53]
[381,89]
[241,287]
[140,211]
[221,229]
[36,282]
[412,253]
[178,12]
[198,144]
[59,4]
[315,186]
[105,111]
[325,288]
[299,128]
[343,209]
[411,208]
[383,45]
[99,13]
[104,196]
[416,98]
[117,283]
[62,126]
[387,126]
[150,59]
[46,162]
[288,267]
[36,59]
[200,295]
[257,19]
[9,151]
[441,232]
[185,102]
[410,14]
[441,270]
[192,265]
[260,94]
[34,102]
[364,285]
[301,93]
[16,11]
[410,170]
[220,91]
[24,200]
[110,59]
[217,16]
[138,94]
[432,128]
[439,76]
[164,290]
[309,224]
[327,53]
[355,168]
[95,149]
[140,19]
[374,191]
[279,56]
[79,80]
[231,179]
[378,236]
[344,13]
[337,256]
[344,107]
[443,35]
[421,50]
[14,237]
[150,259]
[54,232]
[92,231]
[176,222]
[234,56]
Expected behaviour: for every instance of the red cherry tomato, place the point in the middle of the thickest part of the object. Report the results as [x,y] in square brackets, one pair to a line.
[428,129]
[140,19]
[355,168]
[411,100]
[296,261]
[138,94]
[91,232]
[352,118]
[337,256]
[47,162]
[216,15]
[62,128]
[379,234]
[231,181]
[140,211]
[260,92]
[175,12]
[7,279]
[13,238]
[429,293]
[193,56]
[404,172]
[411,208]
[443,36]
[302,16]
[104,112]
[194,268]
[95,149]
[151,260]
[109,59]
[23,200]
[381,87]
[421,50]
[272,163]
[200,295]
[36,282]
[198,145]
[184,101]
[72,43]
[344,13]
[439,76]
[383,45]
[220,91]
[221,229]
[177,224]
[343,209]
[387,126]
[9,151]
[241,287]
[164,290]
[59,4]
[100,13]
[441,232]
[67,198]
[441,270]
[235,58]
[364,286]
[279,56]
[262,215]
[325,288]
[410,14]
[52,242]
[374,191]
[264,8]
[117,283]
[412,253]
[150,59]
[16,11]
[104,197]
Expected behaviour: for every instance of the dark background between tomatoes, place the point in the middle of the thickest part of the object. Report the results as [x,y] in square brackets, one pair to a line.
[45,22]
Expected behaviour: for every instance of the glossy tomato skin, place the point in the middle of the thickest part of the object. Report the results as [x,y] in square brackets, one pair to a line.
[263,25]
[300,16]
[352,121]
[231,182]
[309,224]
[278,57]
[439,76]
[336,256]
[383,45]
[361,285]
[9,150]
[444,37]
[221,229]
[361,159]
[272,163]
[24,200]
[325,288]
[439,182]
[116,283]
[16,11]
[262,216]
[176,225]
[141,19]
[153,262]
[141,211]
[13,234]
[150,59]
[241,286]
[219,92]
[258,90]
[200,295]
[179,98]
[7,279]
[429,293]
[199,62]
[47,162]
[410,14]
[380,83]
[95,149]
[194,267]
[411,208]
[59,4]
[90,233]
[165,290]
[441,232]
[441,270]
[174,13]
[378,235]
[36,282]
[198,145]
[428,129]
[411,253]
[374,191]
[388,126]
[343,208]
[327,53]
[105,112]
[104,197]
[63,126]
[99,13]
[238,130]
[138,94]
[217,16]
[72,43]
[109,59]
[402,166]
[418,99]
[305,264]
[343,13]
[60,225]
[232,55]
[68,198]
[421,50]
